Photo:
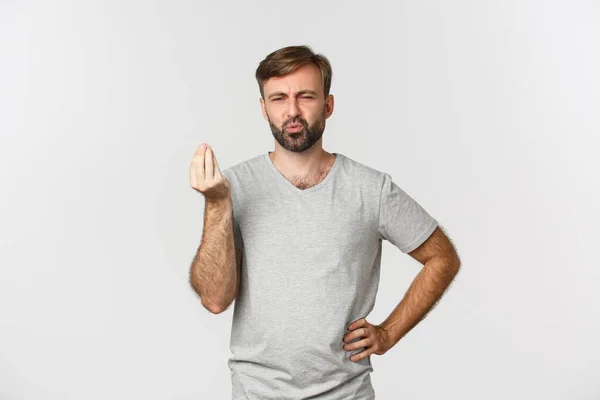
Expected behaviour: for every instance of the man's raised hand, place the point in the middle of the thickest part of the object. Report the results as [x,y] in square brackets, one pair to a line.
[205,175]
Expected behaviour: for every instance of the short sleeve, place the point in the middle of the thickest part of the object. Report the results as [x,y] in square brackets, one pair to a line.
[402,221]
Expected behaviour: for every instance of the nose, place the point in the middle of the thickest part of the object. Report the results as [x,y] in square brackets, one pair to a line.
[293,110]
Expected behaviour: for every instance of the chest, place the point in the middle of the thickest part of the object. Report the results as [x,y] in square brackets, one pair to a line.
[309,181]
[305,230]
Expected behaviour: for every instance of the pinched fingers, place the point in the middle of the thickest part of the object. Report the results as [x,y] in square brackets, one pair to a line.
[209,164]
[197,168]
[205,175]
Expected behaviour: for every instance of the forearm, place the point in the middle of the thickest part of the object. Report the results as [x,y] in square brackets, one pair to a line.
[426,289]
[213,273]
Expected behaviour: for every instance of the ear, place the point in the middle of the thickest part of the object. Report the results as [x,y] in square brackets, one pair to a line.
[263,109]
[329,106]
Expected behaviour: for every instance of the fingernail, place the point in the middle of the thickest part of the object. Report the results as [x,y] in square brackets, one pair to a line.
[202,146]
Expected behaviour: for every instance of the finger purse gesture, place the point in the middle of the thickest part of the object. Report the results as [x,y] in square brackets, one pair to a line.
[205,175]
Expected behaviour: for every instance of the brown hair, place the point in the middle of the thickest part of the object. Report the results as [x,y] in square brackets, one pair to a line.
[287,60]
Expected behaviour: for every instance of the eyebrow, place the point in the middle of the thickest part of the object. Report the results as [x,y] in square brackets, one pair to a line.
[301,92]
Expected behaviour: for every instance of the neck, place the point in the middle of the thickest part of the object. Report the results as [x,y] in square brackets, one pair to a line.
[307,163]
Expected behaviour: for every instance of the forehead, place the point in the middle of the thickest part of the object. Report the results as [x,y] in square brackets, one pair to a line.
[306,77]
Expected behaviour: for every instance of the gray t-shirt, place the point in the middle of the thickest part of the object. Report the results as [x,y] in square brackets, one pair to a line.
[310,266]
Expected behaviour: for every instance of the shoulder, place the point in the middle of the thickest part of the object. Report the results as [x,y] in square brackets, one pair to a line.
[244,169]
[240,175]
[364,174]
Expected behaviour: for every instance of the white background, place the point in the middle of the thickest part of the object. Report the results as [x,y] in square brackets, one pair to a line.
[486,112]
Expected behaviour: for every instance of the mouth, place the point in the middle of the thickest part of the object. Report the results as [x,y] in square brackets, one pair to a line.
[294,127]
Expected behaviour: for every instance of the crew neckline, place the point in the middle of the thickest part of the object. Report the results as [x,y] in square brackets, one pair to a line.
[284,182]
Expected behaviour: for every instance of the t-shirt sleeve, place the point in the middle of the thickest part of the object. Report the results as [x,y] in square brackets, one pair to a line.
[402,221]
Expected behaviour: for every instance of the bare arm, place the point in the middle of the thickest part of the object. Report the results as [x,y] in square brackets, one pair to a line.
[441,264]
[214,273]
[215,270]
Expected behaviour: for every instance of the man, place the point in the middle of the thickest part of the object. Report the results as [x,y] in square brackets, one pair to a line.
[295,237]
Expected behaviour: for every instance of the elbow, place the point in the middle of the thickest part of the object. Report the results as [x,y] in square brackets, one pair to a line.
[452,262]
[211,306]
[448,267]
[454,268]
[457,263]
[215,308]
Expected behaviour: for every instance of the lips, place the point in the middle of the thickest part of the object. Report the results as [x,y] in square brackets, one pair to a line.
[294,127]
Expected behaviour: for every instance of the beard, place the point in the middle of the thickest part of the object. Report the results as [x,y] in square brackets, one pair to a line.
[301,140]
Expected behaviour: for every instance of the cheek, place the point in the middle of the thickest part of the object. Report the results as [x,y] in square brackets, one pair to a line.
[274,112]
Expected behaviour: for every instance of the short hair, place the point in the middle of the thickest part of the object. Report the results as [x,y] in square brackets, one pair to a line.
[288,59]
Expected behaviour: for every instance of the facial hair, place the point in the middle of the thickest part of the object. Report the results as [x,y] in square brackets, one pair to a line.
[301,140]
